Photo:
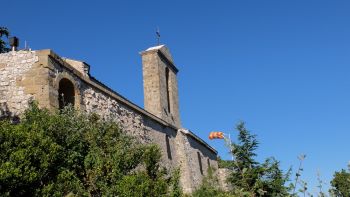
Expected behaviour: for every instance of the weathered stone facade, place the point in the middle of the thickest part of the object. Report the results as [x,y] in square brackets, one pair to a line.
[13,94]
[223,175]
[49,79]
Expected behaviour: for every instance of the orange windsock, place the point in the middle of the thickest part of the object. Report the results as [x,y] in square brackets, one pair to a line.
[216,135]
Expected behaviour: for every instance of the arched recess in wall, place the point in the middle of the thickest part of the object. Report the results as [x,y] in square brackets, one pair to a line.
[61,81]
[66,93]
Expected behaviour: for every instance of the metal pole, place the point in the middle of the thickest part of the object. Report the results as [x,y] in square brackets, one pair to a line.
[230,144]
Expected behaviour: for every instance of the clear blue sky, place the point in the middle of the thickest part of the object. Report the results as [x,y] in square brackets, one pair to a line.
[281,66]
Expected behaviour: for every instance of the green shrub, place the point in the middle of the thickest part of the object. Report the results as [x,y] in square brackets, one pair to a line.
[70,153]
[341,183]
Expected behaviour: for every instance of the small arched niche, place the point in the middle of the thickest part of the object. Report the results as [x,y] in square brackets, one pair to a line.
[66,93]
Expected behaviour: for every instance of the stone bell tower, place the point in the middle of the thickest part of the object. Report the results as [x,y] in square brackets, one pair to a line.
[160,84]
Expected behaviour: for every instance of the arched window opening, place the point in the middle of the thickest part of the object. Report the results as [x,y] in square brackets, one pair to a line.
[66,93]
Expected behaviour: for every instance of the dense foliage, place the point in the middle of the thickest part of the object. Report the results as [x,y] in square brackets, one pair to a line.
[248,177]
[3,33]
[69,153]
[341,183]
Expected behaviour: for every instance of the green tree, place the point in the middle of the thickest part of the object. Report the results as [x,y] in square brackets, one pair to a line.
[341,184]
[251,177]
[70,153]
[3,33]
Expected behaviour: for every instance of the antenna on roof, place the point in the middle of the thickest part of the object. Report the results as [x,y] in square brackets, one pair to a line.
[26,46]
[158,36]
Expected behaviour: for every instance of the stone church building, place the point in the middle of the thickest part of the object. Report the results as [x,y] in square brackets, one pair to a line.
[55,81]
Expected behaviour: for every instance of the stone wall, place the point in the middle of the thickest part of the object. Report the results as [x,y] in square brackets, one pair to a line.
[144,128]
[196,157]
[223,174]
[16,81]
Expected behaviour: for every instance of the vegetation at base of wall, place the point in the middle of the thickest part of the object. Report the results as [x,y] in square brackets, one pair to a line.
[70,153]
[175,188]
[3,33]
[209,186]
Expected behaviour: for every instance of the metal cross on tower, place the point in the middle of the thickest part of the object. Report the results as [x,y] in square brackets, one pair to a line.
[158,36]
